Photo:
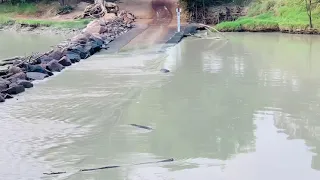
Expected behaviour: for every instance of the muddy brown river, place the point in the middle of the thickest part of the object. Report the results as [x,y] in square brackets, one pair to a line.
[243,109]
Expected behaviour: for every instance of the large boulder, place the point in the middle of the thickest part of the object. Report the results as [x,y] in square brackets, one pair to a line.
[38,68]
[36,75]
[65,61]
[20,75]
[97,39]
[3,84]
[94,46]
[72,56]
[14,89]
[81,38]
[25,83]
[89,48]
[84,54]
[95,27]
[35,68]
[54,66]
[45,59]
[14,70]
[56,54]
[79,50]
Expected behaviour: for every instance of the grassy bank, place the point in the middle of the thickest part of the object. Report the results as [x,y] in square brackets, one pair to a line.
[11,14]
[275,15]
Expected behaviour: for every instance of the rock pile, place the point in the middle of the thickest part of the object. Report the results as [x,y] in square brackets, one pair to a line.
[98,10]
[96,36]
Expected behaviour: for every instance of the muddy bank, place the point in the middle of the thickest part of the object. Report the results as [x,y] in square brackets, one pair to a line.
[22,71]
[37,29]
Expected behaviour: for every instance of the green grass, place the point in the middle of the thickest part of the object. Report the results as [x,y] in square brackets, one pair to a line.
[8,13]
[58,24]
[76,24]
[24,8]
[272,15]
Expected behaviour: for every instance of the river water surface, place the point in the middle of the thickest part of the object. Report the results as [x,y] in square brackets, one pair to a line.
[15,44]
[243,109]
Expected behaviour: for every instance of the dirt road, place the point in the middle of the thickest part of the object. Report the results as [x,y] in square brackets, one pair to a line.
[162,25]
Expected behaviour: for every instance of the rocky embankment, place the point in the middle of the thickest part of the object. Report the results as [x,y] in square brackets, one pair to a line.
[22,71]
[218,14]
[225,13]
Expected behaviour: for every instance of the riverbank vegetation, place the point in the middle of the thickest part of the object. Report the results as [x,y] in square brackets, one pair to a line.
[278,15]
[27,13]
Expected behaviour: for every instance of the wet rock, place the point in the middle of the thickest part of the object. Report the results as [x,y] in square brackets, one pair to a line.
[98,40]
[25,83]
[56,54]
[83,53]
[72,56]
[54,66]
[45,59]
[3,72]
[64,61]
[3,84]
[36,75]
[92,47]
[2,99]
[164,70]
[35,68]
[38,68]
[14,70]
[14,89]
[20,75]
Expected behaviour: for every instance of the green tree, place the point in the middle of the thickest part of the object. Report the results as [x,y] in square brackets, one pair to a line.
[309,11]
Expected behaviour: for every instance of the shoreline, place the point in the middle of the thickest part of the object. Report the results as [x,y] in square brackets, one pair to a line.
[22,71]
[297,31]
[287,16]
[45,30]
[44,27]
